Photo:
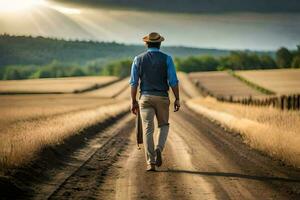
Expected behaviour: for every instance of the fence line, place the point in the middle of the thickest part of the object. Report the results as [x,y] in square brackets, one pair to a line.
[283,102]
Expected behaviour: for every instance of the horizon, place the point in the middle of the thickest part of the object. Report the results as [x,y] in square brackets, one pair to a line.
[137,44]
[238,30]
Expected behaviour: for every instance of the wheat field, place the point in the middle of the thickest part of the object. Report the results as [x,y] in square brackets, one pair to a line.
[112,90]
[223,84]
[272,131]
[281,81]
[21,108]
[53,85]
[29,123]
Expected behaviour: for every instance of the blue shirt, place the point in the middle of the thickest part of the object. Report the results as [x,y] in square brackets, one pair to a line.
[172,77]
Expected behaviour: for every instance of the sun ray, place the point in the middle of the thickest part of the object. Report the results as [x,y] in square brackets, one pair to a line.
[17,5]
[13,6]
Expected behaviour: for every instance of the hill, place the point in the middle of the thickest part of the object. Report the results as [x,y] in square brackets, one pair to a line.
[23,50]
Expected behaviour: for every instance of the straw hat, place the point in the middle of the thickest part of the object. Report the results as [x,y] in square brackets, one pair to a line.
[153,37]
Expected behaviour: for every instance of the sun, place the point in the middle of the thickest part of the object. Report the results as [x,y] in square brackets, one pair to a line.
[17,5]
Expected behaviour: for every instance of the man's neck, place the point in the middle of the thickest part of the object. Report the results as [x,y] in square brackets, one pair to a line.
[153,49]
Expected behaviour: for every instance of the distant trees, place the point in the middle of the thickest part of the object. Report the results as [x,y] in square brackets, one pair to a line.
[237,60]
[56,69]
[16,73]
[296,58]
[28,57]
[119,68]
[240,60]
[24,50]
[284,58]
[267,62]
[296,62]
[193,63]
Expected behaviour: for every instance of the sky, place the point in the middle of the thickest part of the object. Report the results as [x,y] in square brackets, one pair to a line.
[252,26]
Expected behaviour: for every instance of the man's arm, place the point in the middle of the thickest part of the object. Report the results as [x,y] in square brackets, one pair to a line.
[173,82]
[134,81]
[134,102]
[175,90]
[133,93]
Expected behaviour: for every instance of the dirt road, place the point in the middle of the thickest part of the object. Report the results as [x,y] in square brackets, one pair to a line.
[201,161]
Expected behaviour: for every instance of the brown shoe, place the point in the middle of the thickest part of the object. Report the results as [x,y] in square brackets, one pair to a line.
[158,158]
[151,167]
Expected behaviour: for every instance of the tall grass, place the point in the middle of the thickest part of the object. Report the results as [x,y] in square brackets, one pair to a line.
[19,142]
[223,84]
[52,85]
[251,84]
[21,108]
[281,81]
[111,91]
[272,131]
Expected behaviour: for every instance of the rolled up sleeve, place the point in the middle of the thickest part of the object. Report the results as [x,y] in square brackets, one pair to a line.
[134,76]
[172,77]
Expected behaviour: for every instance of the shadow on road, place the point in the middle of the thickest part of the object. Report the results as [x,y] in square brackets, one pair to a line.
[236,175]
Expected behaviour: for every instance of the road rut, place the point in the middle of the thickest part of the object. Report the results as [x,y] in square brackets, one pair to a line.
[201,161]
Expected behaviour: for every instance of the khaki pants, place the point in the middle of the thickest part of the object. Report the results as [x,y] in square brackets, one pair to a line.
[151,106]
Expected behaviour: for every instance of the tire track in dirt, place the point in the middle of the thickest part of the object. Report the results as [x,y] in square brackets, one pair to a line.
[87,166]
[225,161]
[201,161]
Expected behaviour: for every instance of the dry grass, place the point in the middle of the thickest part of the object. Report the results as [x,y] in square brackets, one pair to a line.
[281,81]
[53,85]
[187,88]
[29,123]
[112,90]
[20,108]
[272,131]
[222,83]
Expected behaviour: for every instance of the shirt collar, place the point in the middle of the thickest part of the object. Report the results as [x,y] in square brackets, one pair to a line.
[153,49]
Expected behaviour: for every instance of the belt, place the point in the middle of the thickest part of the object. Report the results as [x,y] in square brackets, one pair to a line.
[156,93]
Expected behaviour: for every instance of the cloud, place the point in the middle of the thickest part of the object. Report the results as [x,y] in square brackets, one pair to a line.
[238,30]
[197,6]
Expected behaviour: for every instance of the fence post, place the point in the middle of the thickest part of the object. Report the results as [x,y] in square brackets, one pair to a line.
[230,98]
[282,102]
[268,101]
[298,102]
[289,102]
[274,101]
[294,102]
[250,100]
[278,102]
[264,102]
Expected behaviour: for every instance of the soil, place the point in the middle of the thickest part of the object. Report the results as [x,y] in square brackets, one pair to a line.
[200,161]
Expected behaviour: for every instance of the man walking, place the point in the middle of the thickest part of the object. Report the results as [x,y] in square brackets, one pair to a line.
[155,72]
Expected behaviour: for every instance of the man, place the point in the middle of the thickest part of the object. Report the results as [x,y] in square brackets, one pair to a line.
[156,72]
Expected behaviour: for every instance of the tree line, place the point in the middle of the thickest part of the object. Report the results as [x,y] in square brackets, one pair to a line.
[240,60]
[56,69]
[27,50]
[23,57]
[237,60]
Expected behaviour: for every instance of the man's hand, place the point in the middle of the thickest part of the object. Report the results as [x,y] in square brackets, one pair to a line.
[176,105]
[175,90]
[134,107]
